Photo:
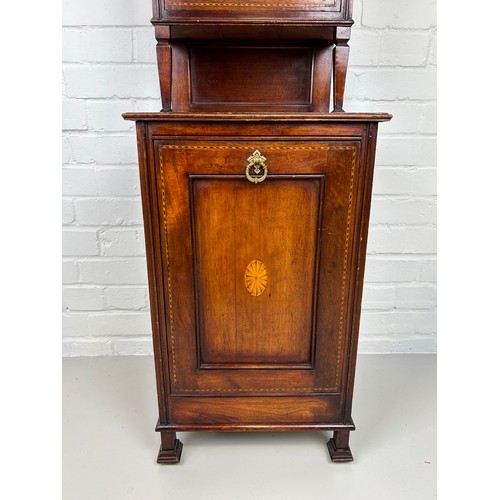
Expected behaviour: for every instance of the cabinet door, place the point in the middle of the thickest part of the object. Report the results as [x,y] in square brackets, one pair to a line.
[256,274]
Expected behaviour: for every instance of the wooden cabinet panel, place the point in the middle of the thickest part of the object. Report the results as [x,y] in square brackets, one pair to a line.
[252,56]
[256,203]
[279,76]
[253,5]
[246,10]
[297,223]
[256,230]
[242,75]
[254,411]
[256,257]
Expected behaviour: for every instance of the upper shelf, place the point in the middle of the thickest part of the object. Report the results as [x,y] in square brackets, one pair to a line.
[323,12]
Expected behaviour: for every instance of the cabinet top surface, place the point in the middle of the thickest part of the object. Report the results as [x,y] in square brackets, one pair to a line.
[261,117]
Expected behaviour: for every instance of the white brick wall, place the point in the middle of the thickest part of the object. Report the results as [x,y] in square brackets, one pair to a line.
[110,67]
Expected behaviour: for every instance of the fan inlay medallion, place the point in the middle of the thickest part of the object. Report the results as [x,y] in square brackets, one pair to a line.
[256,278]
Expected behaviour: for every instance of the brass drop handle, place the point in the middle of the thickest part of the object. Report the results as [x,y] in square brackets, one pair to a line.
[256,161]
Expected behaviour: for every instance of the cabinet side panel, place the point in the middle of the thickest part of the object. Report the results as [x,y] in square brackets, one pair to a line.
[153,258]
[361,238]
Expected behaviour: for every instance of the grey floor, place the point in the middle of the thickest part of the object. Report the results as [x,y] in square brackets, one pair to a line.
[110,447]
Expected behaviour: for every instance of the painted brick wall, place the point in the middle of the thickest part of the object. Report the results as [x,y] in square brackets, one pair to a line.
[110,67]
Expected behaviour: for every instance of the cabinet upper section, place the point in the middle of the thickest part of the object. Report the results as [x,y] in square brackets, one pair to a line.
[324,12]
[252,55]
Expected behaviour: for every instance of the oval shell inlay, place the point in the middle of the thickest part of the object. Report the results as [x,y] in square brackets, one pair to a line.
[256,278]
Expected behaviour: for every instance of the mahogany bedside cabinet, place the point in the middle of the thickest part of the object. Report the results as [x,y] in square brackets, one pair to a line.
[256,201]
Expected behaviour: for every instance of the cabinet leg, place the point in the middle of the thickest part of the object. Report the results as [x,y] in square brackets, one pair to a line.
[170,449]
[338,447]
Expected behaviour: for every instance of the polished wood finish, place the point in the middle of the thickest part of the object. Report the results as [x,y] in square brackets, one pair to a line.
[283,359]
[252,11]
[338,447]
[164,59]
[253,55]
[170,449]
[208,76]
[336,120]
[236,328]
[256,201]
[231,83]
[341,58]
